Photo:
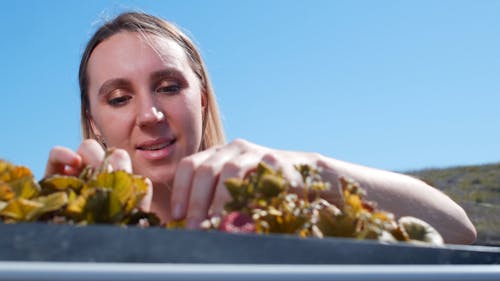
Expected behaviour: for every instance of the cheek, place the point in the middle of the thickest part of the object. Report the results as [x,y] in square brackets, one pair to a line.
[189,118]
[106,123]
[116,136]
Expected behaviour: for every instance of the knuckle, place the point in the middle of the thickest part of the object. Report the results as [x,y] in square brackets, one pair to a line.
[240,143]
[206,170]
[88,142]
[54,152]
[314,156]
[187,163]
[270,158]
[230,168]
[90,148]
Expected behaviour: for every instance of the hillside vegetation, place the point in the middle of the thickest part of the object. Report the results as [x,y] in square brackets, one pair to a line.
[477,190]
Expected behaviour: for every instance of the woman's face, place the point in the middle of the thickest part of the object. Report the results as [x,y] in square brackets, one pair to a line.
[146,101]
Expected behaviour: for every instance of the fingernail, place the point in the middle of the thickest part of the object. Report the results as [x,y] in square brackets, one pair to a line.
[177,211]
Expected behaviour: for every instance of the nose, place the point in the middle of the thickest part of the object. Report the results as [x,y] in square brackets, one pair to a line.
[149,112]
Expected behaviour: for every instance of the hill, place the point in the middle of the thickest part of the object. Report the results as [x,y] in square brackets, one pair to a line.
[477,190]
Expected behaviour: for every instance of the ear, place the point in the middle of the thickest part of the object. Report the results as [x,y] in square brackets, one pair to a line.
[93,127]
[97,133]
[204,99]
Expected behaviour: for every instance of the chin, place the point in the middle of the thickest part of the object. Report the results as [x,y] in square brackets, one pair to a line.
[160,176]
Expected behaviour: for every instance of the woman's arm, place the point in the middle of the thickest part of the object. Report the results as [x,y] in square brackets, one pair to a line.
[403,195]
[198,190]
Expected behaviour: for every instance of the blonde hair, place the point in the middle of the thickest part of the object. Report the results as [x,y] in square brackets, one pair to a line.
[212,133]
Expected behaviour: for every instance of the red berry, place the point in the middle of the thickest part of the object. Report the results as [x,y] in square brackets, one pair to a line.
[236,222]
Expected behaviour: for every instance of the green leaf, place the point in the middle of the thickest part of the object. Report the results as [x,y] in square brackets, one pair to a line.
[271,185]
[115,208]
[234,186]
[420,230]
[97,207]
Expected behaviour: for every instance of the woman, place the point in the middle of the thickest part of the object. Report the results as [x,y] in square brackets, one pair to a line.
[145,90]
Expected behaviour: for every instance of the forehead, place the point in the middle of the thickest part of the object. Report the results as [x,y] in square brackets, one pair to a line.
[129,53]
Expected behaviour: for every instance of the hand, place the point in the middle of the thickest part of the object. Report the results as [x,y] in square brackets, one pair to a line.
[64,161]
[198,189]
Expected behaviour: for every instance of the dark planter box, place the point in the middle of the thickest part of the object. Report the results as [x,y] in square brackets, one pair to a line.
[111,244]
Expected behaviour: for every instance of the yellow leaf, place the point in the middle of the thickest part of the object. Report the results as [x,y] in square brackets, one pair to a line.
[19,208]
[141,186]
[6,192]
[25,187]
[173,224]
[119,182]
[75,207]
[140,190]
[59,182]
[354,201]
[382,216]
[4,166]
[2,205]
[20,179]
[49,203]
[9,172]
[77,203]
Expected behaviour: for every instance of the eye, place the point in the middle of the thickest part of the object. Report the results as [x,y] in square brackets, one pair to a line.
[119,101]
[168,87]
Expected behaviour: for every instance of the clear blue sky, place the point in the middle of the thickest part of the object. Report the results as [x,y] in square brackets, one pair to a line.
[398,85]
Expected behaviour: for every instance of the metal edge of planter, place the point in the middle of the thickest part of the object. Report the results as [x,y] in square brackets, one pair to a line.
[38,242]
[41,271]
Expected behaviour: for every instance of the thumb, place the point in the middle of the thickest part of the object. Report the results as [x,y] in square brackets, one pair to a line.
[145,204]
[120,160]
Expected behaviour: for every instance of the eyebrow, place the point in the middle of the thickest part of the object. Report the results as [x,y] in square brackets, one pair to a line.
[111,84]
[167,72]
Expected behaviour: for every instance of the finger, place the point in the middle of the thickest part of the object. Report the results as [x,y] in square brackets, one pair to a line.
[120,160]
[204,182]
[64,161]
[91,152]
[238,167]
[181,187]
[145,203]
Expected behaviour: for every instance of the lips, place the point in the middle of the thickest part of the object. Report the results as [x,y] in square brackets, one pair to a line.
[156,149]
[155,144]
